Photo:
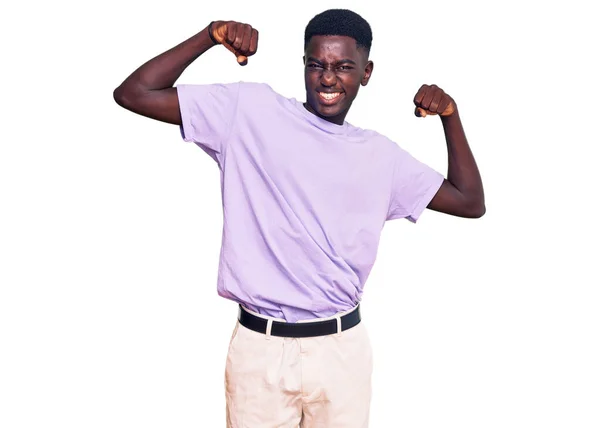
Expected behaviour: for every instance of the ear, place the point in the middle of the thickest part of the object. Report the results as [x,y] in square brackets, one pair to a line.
[368,72]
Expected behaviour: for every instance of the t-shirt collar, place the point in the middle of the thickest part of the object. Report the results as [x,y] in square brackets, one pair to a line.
[319,122]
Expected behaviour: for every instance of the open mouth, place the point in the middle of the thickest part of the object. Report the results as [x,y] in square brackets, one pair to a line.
[329,98]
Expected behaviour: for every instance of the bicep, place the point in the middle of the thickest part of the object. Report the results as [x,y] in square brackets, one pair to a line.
[162,104]
[448,200]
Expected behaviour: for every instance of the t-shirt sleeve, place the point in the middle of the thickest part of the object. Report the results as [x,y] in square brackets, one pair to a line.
[414,184]
[208,114]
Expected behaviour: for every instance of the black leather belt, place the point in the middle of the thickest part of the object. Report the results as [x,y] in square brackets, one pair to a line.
[303,329]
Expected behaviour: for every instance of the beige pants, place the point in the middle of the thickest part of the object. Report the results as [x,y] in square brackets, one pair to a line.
[313,382]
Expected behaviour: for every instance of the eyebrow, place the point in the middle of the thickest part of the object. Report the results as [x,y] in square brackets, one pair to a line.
[343,61]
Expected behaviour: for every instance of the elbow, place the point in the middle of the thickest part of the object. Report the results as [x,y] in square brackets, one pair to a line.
[120,97]
[128,95]
[480,212]
[475,209]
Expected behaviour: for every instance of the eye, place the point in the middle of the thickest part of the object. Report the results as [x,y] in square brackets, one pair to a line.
[313,66]
[345,68]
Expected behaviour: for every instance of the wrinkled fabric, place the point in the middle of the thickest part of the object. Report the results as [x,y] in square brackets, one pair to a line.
[304,200]
[314,382]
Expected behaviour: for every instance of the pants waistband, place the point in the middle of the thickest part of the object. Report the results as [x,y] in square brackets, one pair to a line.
[335,324]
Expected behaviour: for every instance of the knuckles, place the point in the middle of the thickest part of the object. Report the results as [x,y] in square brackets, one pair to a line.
[428,93]
[239,35]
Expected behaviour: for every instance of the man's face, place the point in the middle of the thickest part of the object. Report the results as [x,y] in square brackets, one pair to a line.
[334,70]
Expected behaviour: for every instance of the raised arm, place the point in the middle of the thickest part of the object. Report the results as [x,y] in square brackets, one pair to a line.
[461,194]
[149,90]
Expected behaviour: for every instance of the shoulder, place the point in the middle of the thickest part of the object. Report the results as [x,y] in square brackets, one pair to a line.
[388,154]
[260,100]
[258,90]
[384,144]
[260,93]
[235,89]
[388,145]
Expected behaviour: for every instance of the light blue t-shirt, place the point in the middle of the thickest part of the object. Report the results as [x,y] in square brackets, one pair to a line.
[304,200]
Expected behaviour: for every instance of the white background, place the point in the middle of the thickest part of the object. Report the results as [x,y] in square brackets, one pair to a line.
[111,224]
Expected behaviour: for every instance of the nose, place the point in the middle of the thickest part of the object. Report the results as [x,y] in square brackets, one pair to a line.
[328,78]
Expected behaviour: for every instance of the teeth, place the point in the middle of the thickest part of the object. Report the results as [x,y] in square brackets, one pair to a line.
[329,96]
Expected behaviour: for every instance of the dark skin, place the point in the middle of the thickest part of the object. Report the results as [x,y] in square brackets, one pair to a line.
[334,64]
[461,193]
[335,69]
[149,90]
[337,64]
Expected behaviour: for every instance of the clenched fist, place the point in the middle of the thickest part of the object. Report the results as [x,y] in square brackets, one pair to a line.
[432,100]
[241,39]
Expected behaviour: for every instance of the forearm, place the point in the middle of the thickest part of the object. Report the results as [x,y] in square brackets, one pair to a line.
[163,71]
[463,172]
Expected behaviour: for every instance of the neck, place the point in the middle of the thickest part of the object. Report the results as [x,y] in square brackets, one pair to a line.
[337,120]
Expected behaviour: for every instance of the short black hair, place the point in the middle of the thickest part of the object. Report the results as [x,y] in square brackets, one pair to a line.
[340,22]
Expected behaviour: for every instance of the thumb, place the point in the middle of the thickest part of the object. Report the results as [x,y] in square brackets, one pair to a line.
[420,112]
[241,59]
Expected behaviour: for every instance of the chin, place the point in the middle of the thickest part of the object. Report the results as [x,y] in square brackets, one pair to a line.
[330,111]
[326,112]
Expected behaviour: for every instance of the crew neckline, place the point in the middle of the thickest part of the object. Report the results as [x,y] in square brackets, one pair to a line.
[319,122]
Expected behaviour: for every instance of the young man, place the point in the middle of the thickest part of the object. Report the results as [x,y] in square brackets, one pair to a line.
[305,197]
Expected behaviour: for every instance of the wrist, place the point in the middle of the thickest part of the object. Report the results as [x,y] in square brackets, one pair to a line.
[451,117]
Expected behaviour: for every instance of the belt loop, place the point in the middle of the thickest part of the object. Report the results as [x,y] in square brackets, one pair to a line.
[269,326]
[339,325]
